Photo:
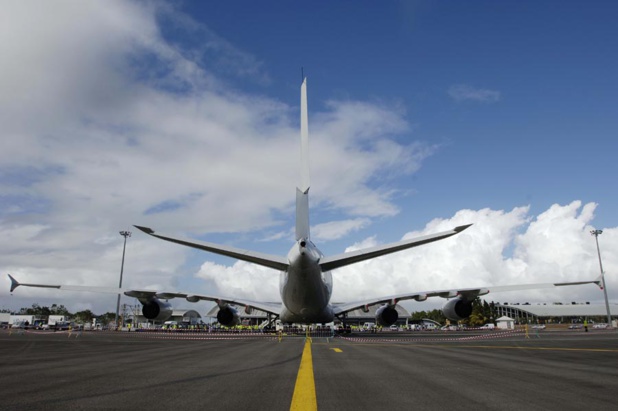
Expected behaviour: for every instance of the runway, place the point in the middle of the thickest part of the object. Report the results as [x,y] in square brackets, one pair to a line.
[425,371]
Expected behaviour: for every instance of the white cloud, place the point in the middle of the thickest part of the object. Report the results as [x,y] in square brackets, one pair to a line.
[242,280]
[338,229]
[463,92]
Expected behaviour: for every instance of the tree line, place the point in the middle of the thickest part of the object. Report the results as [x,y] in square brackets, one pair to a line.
[84,316]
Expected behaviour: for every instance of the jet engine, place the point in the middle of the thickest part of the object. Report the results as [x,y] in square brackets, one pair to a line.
[386,315]
[228,316]
[155,309]
[457,309]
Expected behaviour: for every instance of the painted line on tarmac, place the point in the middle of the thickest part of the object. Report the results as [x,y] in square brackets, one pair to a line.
[337,349]
[304,397]
[514,347]
[496,335]
[495,347]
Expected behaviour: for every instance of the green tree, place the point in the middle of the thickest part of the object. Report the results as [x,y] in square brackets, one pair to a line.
[34,310]
[419,315]
[59,310]
[85,316]
[106,318]
[482,313]
[435,315]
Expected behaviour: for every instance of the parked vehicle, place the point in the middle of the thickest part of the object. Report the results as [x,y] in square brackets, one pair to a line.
[369,326]
[449,328]
[63,325]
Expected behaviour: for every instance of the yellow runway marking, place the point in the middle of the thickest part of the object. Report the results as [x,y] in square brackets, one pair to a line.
[304,391]
[337,349]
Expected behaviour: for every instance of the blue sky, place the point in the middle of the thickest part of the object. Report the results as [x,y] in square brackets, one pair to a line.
[552,66]
[183,116]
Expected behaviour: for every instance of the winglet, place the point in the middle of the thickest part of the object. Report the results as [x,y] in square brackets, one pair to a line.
[461,228]
[14,282]
[144,229]
[598,281]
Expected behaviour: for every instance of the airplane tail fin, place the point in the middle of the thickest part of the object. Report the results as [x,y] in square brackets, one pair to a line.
[302,193]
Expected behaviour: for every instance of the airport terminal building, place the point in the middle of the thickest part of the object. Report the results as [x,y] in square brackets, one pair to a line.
[555,312]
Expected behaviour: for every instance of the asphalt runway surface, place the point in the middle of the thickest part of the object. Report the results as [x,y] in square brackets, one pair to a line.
[395,371]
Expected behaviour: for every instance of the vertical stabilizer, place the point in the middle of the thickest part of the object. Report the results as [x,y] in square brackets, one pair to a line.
[302,193]
[302,214]
[304,139]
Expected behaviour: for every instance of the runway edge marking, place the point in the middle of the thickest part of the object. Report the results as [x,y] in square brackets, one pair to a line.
[304,397]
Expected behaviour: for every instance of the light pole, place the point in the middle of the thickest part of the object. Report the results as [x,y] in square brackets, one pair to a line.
[596,233]
[125,234]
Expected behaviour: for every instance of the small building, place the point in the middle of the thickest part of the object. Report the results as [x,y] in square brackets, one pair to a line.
[505,323]
[547,313]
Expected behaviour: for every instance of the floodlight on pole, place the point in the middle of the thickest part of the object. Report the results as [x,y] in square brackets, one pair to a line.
[596,234]
[125,234]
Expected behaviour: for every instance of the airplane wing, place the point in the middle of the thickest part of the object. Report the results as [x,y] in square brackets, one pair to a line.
[468,293]
[340,260]
[269,307]
[266,260]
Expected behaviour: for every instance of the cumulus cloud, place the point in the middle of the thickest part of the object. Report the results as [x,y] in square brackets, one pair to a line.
[338,229]
[464,92]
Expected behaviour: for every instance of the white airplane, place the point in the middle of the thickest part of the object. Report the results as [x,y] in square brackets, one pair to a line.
[306,282]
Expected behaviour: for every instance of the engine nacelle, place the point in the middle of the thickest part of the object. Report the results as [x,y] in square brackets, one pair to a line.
[386,315]
[228,316]
[155,309]
[457,309]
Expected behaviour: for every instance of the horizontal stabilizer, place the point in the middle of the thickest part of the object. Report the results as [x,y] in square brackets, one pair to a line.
[266,260]
[341,260]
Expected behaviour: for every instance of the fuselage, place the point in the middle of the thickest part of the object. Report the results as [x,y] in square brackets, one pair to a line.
[305,289]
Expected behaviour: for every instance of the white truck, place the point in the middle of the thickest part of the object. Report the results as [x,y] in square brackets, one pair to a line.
[369,326]
[53,319]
